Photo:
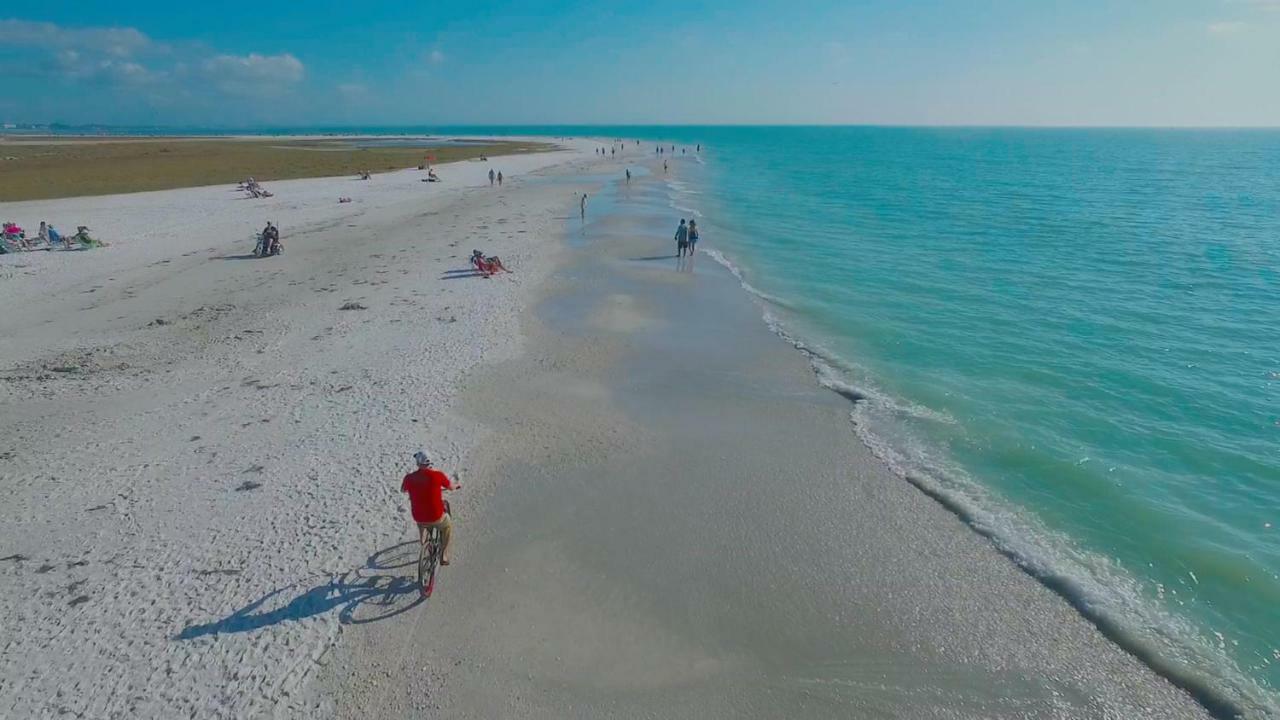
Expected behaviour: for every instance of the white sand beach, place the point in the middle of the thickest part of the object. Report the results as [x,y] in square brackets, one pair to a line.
[187,432]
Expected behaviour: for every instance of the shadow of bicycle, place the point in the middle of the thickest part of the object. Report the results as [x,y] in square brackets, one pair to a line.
[367,594]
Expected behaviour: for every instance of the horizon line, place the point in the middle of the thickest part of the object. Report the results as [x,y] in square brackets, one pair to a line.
[349,126]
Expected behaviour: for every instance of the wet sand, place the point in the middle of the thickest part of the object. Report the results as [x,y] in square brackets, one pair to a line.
[669,517]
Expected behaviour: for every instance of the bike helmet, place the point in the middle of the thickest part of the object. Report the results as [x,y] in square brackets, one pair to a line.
[422,459]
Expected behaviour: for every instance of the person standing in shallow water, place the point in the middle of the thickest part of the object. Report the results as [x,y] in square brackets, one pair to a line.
[682,239]
[499,178]
[693,236]
[628,176]
[490,177]
[584,206]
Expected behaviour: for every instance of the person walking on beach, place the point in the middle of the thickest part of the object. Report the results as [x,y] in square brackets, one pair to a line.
[693,236]
[583,206]
[499,178]
[424,487]
[664,166]
[490,177]
[628,176]
[682,239]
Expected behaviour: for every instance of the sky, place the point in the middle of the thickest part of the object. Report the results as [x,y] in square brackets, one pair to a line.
[444,62]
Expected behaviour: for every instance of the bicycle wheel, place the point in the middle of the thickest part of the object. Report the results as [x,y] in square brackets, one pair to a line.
[424,566]
[428,556]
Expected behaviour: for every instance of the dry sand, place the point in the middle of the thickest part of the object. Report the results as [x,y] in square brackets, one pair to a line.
[199,450]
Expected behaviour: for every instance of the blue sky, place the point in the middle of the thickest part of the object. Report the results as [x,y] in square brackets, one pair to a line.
[1024,62]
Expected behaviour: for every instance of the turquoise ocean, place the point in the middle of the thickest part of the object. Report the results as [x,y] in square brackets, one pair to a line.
[1069,337]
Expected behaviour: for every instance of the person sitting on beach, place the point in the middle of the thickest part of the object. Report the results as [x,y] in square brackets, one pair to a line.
[431,175]
[55,237]
[487,266]
[82,236]
[15,234]
[424,487]
[270,239]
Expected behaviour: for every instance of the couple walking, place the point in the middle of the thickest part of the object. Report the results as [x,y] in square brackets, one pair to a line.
[686,238]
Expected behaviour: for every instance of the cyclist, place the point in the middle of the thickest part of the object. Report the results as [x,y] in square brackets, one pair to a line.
[424,486]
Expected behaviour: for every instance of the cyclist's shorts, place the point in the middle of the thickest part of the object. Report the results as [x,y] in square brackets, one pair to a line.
[442,523]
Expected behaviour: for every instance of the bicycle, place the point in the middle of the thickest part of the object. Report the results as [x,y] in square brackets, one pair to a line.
[429,558]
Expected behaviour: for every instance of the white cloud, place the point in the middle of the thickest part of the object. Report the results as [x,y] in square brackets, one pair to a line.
[253,74]
[119,42]
[1226,27]
[128,73]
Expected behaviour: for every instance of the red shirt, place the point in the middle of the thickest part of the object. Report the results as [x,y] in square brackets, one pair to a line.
[424,486]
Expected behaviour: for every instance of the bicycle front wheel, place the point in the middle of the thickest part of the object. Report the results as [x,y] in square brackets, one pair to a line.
[428,556]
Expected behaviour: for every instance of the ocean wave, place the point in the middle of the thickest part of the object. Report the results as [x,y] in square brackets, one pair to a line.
[827,365]
[1104,593]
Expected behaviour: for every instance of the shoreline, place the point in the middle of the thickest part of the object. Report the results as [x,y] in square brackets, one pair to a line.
[560,607]
[1105,593]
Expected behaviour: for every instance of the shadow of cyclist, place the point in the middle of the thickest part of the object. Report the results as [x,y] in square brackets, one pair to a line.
[366,594]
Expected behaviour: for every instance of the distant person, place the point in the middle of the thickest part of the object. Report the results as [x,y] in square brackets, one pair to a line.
[499,178]
[583,206]
[664,166]
[673,148]
[682,239]
[693,236]
[613,151]
[424,487]
[628,176]
[490,177]
[270,240]
[699,147]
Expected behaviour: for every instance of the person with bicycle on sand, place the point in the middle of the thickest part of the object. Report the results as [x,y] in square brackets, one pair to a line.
[424,486]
